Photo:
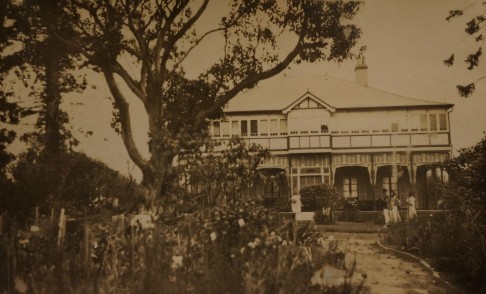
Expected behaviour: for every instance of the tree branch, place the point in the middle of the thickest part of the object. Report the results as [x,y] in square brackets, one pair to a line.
[126,129]
[252,79]
[178,63]
[132,84]
[162,34]
[173,40]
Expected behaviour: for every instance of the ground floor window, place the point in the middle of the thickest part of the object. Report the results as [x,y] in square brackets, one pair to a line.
[390,184]
[350,187]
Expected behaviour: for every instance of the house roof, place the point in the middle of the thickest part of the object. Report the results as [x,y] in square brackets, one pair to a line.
[280,93]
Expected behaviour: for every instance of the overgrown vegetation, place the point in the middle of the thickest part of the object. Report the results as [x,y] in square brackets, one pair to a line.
[238,247]
[455,239]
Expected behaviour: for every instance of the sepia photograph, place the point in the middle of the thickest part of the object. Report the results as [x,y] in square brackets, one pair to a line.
[242,146]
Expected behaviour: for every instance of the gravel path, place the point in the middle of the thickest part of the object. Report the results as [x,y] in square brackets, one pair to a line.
[387,273]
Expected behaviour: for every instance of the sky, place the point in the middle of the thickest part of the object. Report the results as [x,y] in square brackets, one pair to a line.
[406,42]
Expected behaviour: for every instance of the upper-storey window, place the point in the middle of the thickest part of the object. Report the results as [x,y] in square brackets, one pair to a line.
[216,129]
[324,128]
[394,127]
[225,128]
[433,122]
[263,127]
[254,127]
[273,127]
[423,122]
[234,128]
[283,127]
[442,122]
[244,128]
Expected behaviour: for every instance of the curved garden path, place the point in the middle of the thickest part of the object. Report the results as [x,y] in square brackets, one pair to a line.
[386,271]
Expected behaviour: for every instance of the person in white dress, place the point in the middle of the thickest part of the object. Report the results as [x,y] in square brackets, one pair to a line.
[412,211]
[394,203]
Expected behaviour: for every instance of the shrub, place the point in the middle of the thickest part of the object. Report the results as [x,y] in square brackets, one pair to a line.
[316,197]
[350,210]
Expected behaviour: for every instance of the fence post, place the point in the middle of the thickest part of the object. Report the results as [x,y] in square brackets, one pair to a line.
[86,250]
[62,227]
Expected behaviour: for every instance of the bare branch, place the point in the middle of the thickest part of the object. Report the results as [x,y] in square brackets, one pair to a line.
[126,129]
[198,41]
[131,83]
[173,40]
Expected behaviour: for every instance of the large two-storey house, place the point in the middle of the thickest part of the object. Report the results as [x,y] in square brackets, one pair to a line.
[321,129]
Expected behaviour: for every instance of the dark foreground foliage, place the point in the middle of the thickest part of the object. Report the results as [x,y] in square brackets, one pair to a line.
[238,247]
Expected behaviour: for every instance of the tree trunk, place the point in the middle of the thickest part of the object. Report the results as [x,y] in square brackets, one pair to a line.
[52,100]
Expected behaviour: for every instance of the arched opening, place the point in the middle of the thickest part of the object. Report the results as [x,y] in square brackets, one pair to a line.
[394,178]
[271,186]
[354,181]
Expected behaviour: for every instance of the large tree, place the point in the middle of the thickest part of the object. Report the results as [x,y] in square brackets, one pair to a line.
[475,29]
[146,45]
[34,58]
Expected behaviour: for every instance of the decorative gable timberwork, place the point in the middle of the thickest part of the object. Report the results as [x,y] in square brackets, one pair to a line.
[308,101]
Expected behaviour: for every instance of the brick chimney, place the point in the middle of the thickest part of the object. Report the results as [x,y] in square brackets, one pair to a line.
[361,72]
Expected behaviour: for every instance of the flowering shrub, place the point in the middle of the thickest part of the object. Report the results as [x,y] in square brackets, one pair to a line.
[238,247]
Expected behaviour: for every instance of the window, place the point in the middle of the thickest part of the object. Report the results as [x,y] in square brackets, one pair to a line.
[283,127]
[390,184]
[310,180]
[254,127]
[263,127]
[324,129]
[442,122]
[394,127]
[423,122]
[350,187]
[295,185]
[216,129]
[234,128]
[273,127]
[225,128]
[244,128]
[433,122]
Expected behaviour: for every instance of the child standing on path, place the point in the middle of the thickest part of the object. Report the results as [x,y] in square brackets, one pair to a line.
[412,211]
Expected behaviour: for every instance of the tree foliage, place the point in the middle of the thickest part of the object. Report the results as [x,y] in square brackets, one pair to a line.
[465,196]
[218,173]
[71,180]
[145,45]
[476,29]
[33,59]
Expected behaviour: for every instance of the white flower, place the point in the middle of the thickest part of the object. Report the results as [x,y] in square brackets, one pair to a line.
[241,222]
[242,250]
[257,241]
[176,261]
[213,236]
[251,245]
[34,229]
[284,243]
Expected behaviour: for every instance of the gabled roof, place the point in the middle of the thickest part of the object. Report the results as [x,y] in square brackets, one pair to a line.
[281,93]
[309,96]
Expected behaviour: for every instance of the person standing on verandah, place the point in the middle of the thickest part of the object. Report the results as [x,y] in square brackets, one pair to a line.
[412,211]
